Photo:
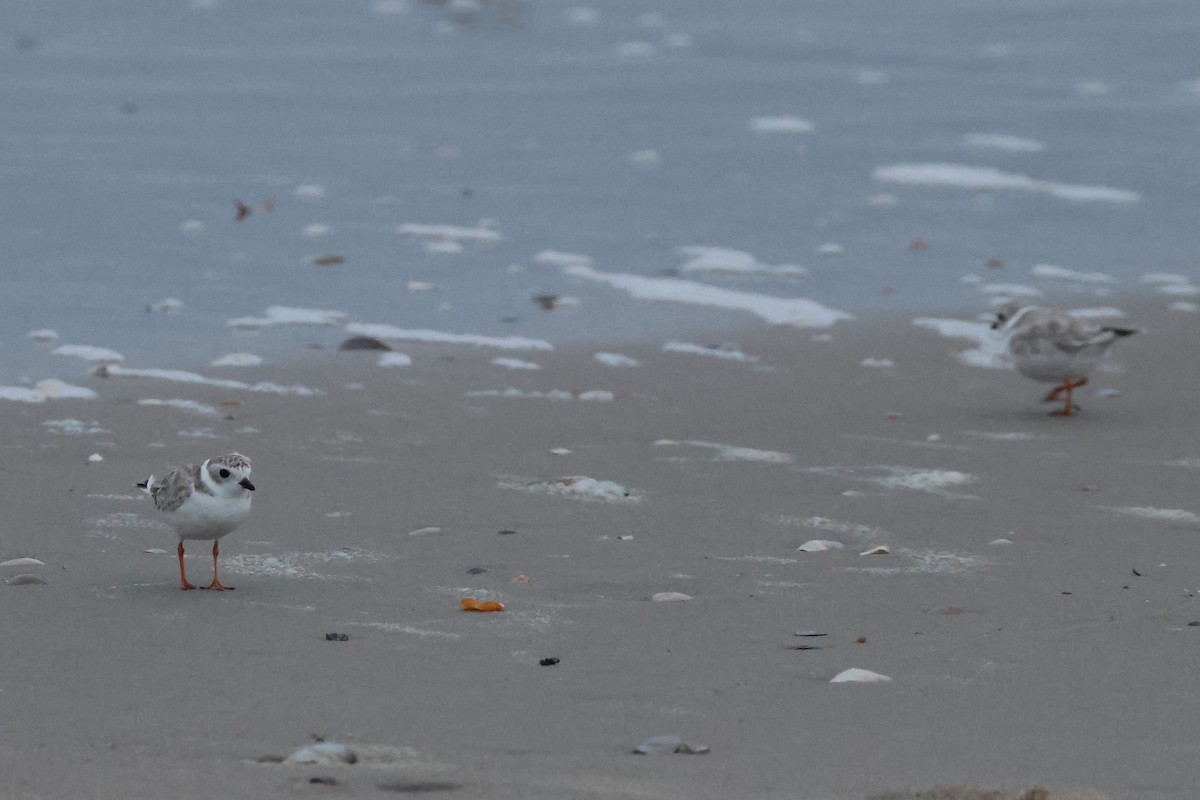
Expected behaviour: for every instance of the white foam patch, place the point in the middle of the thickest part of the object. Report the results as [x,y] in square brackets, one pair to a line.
[379,331]
[799,312]
[394,359]
[192,406]
[43,335]
[1011,289]
[514,363]
[74,427]
[237,360]
[877,363]
[48,389]
[1184,306]
[1053,272]
[316,230]
[961,176]
[578,487]
[917,479]
[1155,278]
[737,262]
[199,433]
[1004,436]
[558,258]
[990,351]
[288,565]
[724,353]
[400,627]
[787,124]
[1003,141]
[593,395]
[853,530]
[1179,289]
[728,452]
[616,360]
[309,191]
[1162,514]
[288,315]
[182,376]
[21,394]
[484,232]
[647,159]
[88,353]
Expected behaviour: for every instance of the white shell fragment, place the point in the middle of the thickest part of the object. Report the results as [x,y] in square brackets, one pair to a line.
[22,562]
[856,675]
[95,458]
[1000,542]
[426,532]
[323,754]
[670,597]
[820,546]
[880,550]
[666,744]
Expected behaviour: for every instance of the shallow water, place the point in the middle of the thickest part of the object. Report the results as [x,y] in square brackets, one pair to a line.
[130,127]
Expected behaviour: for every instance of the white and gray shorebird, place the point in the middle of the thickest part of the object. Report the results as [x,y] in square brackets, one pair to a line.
[204,501]
[1053,346]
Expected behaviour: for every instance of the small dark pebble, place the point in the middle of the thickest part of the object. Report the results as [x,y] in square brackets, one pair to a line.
[363,343]
[507,533]
[549,302]
[476,570]
[337,637]
[1194,623]
[270,759]
[323,780]
[806,647]
[548,662]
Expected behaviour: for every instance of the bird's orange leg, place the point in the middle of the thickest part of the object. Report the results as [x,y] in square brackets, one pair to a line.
[216,585]
[1053,394]
[1069,386]
[183,575]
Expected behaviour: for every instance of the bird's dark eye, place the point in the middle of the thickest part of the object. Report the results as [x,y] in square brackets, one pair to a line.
[224,473]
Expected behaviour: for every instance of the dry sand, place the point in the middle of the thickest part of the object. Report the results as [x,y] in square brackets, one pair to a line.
[1064,659]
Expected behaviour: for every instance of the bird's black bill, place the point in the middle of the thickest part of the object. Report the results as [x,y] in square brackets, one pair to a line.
[246,484]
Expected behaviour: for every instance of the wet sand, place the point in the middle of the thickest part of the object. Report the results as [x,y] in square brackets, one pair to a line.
[1064,659]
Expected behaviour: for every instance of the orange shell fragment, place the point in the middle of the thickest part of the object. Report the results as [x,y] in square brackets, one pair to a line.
[473,604]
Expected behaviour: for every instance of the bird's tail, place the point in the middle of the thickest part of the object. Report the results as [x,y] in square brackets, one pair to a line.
[147,485]
[1121,331]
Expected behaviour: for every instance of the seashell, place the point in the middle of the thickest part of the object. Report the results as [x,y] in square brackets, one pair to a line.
[425,532]
[473,604]
[25,579]
[22,562]
[1000,542]
[95,458]
[323,754]
[670,597]
[880,550]
[811,633]
[158,551]
[856,675]
[664,744]
[363,343]
[820,546]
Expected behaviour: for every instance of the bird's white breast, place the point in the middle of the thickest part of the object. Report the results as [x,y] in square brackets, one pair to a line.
[205,516]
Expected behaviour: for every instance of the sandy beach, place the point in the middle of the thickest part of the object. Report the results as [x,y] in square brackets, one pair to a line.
[1062,658]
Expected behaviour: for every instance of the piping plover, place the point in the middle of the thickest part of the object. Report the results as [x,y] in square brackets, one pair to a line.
[1054,347]
[204,501]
